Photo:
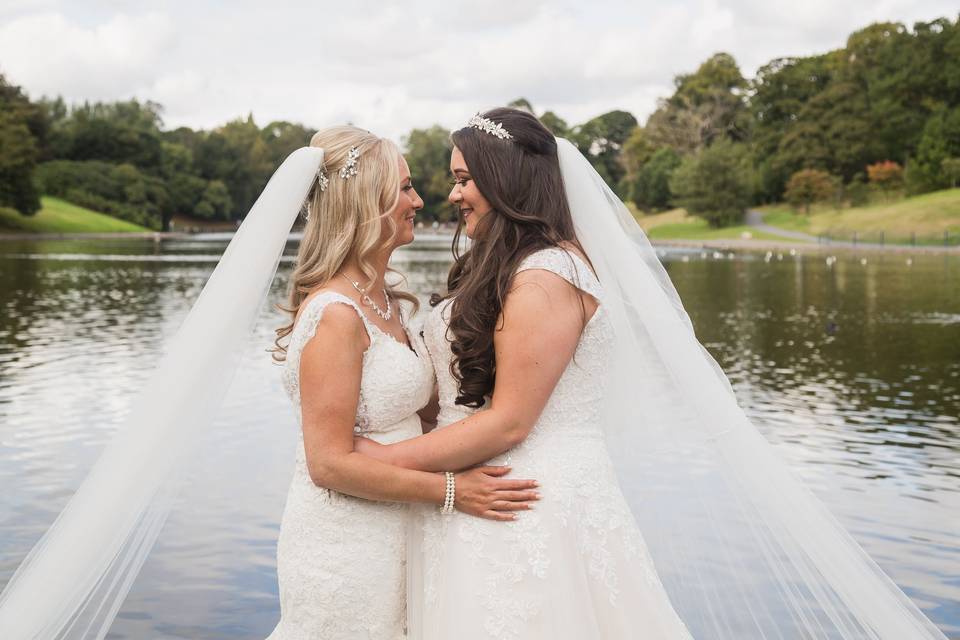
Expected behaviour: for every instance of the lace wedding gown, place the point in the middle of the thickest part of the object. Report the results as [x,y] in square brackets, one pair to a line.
[576,566]
[340,559]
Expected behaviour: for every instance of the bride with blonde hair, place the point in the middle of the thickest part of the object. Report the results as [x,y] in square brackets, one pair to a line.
[349,369]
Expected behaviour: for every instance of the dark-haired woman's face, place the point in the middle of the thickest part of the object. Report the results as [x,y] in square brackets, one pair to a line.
[465,195]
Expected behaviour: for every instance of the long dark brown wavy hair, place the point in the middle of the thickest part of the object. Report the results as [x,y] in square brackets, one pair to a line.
[520,178]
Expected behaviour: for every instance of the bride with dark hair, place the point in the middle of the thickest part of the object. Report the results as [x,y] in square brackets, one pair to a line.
[562,350]
[519,345]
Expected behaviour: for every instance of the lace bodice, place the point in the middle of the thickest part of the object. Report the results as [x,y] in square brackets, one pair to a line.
[577,398]
[395,383]
[579,545]
[340,559]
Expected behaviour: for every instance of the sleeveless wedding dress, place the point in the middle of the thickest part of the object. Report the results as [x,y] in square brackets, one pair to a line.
[574,567]
[340,559]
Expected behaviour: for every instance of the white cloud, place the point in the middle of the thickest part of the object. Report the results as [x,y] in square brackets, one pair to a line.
[52,55]
[394,67]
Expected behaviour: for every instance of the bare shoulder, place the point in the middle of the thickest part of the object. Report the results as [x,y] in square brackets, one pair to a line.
[339,323]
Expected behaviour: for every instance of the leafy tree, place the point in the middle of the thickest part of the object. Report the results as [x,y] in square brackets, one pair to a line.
[17,164]
[601,140]
[215,202]
[237,155]
[778,93]
[557,125]
[428,154]
[714,184]
[706,106]
[940,140]
[23,127]
[650,190]
[808,186]
[121,132]
[521,103]
[888,175]
[283,138]
[950,168]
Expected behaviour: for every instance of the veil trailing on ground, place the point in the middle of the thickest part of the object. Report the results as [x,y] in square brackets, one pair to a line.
[744,549]
[74,580]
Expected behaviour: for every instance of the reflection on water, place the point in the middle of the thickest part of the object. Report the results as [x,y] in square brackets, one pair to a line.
[852,369]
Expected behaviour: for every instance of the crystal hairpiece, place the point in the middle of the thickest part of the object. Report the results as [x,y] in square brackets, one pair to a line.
[322,177]
[489,126]
[350,169]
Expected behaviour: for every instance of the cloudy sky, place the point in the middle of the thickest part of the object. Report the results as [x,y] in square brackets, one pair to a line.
[393,66]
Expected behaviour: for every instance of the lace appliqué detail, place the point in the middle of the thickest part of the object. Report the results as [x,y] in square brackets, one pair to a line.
[582,517]
[325,592]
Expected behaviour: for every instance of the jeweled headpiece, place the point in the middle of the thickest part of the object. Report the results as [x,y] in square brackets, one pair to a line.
[347,171]
[489,126]
[350,169]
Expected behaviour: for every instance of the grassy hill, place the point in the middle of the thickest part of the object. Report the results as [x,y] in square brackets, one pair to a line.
[928,216]
[59,216]
[677,224]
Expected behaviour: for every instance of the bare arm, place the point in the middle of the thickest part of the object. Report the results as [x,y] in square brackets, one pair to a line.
[331,368]
[539,332]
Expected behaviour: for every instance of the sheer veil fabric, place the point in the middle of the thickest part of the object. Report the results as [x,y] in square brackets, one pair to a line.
[74,580]
[743,548]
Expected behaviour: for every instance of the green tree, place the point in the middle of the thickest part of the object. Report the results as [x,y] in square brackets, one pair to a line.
[283,138]
[601,140]
[940,140]
[707,105]
[650,190]
[714,184]
[521,103]
[428,155]
[237,155]
[23,126]
[950,168]
[807,187]
[557,125]
[215,202]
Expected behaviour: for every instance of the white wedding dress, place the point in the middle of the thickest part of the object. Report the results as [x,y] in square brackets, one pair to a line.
[340,559]
[576,566]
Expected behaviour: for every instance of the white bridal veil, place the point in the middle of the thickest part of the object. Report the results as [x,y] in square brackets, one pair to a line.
[745,551]
[74,580]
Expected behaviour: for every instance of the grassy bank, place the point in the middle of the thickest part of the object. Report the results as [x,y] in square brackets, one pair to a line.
[927,216]
[59,216]
[678,225]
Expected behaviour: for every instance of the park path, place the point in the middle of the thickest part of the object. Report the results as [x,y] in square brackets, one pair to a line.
[755,219]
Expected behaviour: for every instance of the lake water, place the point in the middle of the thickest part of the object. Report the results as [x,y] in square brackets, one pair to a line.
[851,369]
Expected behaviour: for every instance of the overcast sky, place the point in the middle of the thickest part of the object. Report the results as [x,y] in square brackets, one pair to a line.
[390,67]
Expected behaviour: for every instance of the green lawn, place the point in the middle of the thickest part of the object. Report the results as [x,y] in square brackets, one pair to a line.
[678,225]
[59,216]
[928,216]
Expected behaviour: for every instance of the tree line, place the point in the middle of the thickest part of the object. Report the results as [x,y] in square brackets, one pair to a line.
[881,112]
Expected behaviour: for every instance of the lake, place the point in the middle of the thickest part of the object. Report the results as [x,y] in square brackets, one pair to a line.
[851,368]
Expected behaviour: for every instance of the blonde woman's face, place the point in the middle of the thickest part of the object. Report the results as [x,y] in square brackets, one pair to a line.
[465,195]
[405,211]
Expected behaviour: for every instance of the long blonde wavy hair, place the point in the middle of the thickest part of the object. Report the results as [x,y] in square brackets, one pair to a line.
[346,219]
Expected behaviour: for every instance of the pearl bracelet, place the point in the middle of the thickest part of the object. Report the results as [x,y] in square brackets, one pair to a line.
[450,498]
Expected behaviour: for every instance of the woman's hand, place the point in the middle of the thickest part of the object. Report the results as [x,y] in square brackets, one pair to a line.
[483,493]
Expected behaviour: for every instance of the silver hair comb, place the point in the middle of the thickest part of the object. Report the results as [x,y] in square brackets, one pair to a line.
[350,169]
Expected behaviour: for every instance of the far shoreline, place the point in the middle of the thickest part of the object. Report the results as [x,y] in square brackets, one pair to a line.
[723,244]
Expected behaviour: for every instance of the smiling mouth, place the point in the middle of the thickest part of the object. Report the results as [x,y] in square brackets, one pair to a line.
[465,212]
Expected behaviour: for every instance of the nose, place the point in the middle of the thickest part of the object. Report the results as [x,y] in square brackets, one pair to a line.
[455,195]
[418,202]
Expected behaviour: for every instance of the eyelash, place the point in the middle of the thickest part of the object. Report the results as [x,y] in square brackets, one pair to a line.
[462,182]
[408,187]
